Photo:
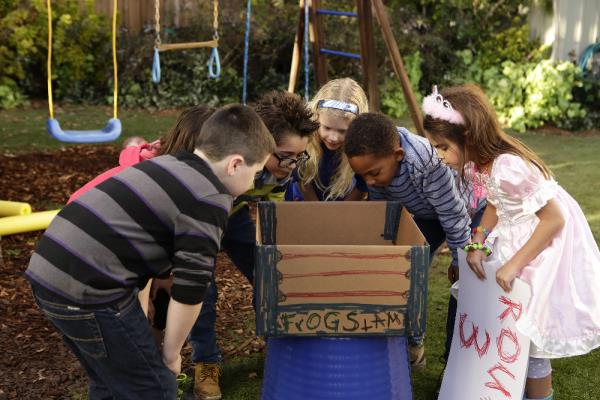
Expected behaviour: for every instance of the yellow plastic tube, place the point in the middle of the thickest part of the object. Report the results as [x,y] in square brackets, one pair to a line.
[26,223]
[10,208]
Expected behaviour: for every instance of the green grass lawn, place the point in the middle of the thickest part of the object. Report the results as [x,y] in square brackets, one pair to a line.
[24,130]
[573,159]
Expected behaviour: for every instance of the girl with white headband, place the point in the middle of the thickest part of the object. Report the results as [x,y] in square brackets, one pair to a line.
[326,175]
[531,224]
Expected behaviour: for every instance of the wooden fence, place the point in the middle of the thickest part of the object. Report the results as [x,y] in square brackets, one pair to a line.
[569,27]
[137,14]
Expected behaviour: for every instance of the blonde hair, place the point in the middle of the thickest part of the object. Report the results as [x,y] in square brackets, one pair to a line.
[480,137]
[348,91]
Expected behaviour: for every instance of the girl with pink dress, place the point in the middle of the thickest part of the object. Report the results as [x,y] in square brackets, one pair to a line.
[531,224]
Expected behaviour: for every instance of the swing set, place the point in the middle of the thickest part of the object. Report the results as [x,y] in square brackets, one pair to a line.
[310,32]
[214,64]
[112,130]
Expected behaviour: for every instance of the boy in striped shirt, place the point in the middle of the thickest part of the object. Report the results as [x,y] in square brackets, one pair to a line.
[162,216]
[398,165]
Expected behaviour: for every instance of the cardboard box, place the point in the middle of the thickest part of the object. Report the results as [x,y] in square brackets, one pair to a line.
[339,269]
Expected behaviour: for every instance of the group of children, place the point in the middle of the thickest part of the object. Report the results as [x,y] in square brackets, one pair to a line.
[171,205]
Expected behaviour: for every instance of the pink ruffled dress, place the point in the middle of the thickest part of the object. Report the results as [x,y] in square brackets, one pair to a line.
[563,316]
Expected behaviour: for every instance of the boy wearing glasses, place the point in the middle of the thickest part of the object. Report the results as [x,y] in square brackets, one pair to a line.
[290,121]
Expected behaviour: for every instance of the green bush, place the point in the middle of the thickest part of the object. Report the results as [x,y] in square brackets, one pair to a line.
[81,48]
[587,94]
[10,95]
[526,89]
[392,96]
[528,94]
[437,28]
[184,76]
[184,82]
[498,54]
[512,44]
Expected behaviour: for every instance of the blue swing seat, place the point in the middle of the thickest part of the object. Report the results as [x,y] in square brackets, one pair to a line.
[109,133]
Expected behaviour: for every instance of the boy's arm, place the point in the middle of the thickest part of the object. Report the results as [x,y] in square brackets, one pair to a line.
[180,320]
[196,249]
[197,238]
[440,189]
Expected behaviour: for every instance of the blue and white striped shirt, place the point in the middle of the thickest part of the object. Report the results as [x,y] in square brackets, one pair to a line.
[427,189]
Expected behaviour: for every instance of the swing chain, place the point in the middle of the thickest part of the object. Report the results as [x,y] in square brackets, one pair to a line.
[157,40]
[216,19]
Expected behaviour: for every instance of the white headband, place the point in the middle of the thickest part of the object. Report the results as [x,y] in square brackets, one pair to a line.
[338,105]
[435,106]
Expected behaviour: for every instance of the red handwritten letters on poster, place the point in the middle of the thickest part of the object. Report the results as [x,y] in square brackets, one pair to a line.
[507,345]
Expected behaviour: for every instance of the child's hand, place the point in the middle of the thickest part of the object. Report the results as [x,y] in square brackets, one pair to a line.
[474,259]
[452,273]
[506,275]
[174,365]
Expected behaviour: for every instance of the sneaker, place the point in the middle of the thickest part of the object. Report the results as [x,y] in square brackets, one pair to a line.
[206,381]
[416,355]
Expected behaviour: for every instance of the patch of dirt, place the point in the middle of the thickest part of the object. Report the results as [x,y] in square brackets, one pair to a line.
[44,178]
[35,364]
[38,103]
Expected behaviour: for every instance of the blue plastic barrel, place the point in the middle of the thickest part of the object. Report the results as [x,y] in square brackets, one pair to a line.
[318,368]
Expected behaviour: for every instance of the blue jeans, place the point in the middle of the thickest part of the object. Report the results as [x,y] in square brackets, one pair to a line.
[433,232]
[116,347]
[239,242]
[435,236]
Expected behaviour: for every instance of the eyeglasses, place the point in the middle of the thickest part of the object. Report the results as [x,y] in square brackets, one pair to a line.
[287,162]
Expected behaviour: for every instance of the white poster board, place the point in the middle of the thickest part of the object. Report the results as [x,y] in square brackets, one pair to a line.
[488,358]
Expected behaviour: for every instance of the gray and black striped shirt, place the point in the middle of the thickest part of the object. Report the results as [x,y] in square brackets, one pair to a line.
[160,216]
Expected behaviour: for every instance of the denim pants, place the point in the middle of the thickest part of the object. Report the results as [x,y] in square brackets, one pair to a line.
[239,242]
[433,232]
[116,347]
[435,235]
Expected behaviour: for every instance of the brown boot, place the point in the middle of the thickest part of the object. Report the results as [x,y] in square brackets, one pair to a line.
[416,355]
[206,381]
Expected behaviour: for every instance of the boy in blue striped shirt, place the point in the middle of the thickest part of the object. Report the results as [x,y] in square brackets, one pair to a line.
[398,165]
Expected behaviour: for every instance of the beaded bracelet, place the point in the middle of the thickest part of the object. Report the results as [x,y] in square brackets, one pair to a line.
[480,229]
[478,246]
